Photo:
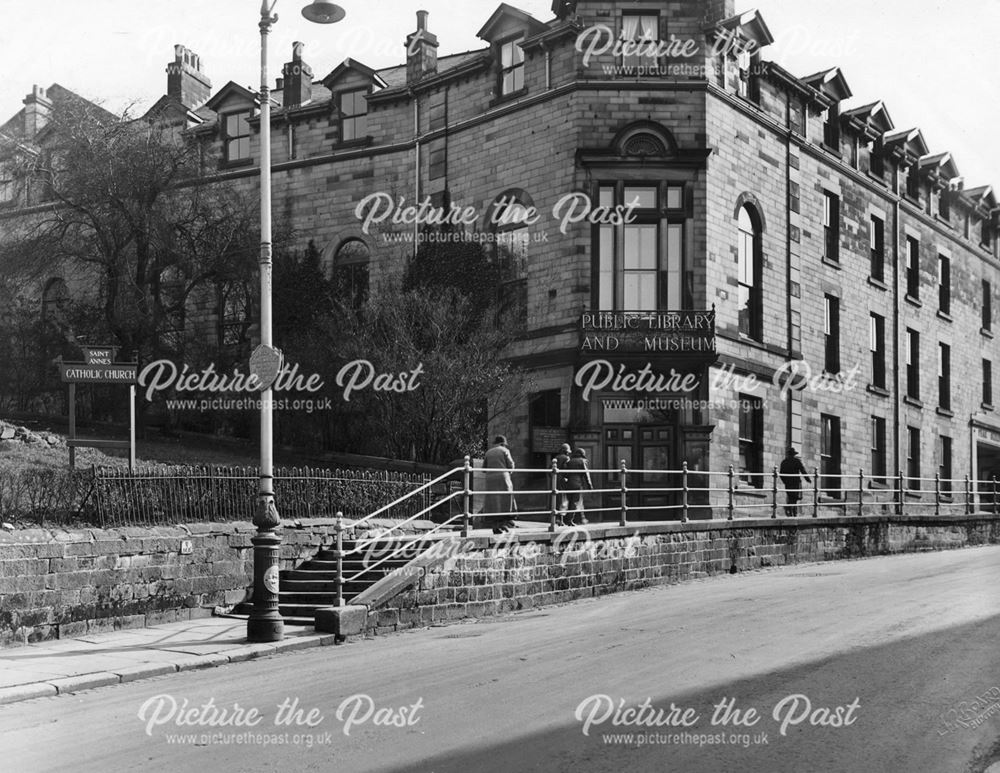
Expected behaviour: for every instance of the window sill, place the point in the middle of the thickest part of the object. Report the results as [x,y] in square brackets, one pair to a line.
[879,178]
[946,412]
[832,150]
[913,493]
[750,491]
[877,390]
[832,263]
[943,220]
[986,406]
[913,300]
[879,483]
[915,201]
[985,332]
[360,142]
[239,163]
[945,316]
[504,98]
[876,282]
[916,402]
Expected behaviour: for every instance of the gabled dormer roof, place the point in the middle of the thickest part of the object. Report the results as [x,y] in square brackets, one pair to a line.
[750,26]
[983,197]
[232,92]
[908,142]
[169,109]
[513,17]
[940,164]
[349,66]
[873,119]
[831,82]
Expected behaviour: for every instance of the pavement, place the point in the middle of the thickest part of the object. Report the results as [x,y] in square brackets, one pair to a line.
[96,660]
[85,662]
[885,664]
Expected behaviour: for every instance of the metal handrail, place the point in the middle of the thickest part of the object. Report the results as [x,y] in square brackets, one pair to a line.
[853,491]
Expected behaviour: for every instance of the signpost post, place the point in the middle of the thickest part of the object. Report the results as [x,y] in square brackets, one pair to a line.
[99,367]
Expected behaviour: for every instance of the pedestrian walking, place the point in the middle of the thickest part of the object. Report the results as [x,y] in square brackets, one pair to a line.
[499,503]
[792,471]
[562,483]
[577,480]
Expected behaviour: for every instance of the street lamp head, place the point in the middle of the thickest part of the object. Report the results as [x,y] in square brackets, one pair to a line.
[323,12]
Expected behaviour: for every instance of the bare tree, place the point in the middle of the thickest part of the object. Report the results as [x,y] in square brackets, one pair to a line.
[127,208]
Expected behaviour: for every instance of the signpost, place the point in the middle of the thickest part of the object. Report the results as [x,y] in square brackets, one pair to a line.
[99,367]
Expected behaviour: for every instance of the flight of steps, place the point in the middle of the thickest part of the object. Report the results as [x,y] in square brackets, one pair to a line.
[312,584]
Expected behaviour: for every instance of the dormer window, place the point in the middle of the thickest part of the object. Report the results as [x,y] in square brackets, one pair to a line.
[353,115]
[831,128]
[511,67]
[944,210]
[642,32]
[236,129]
[876,161]
[912,184]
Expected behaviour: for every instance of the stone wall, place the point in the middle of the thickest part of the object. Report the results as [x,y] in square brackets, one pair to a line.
[496,575]
[58,583]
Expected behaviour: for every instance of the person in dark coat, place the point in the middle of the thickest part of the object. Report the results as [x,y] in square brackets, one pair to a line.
[792,471]
[562,460]
[577,479]
[500,502]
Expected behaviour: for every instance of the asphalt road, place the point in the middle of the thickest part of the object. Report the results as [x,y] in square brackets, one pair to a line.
[888,664]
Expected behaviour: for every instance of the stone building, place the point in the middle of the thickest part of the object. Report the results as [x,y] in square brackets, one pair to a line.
[709,258]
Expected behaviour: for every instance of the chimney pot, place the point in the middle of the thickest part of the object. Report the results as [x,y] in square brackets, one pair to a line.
[297,79]
[421,51]
[186,83]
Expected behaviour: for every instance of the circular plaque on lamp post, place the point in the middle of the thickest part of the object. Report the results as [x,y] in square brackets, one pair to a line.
[265,364]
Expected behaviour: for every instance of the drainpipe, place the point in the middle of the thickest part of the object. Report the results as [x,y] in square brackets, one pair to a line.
[416,170]
[897,461]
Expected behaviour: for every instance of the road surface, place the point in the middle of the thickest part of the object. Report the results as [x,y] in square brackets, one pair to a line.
[885,664]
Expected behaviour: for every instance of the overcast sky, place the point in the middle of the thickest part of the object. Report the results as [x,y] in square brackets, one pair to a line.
[933,63]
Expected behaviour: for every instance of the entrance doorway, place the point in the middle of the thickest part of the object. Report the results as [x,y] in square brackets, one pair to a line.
[643,447]
[988,466]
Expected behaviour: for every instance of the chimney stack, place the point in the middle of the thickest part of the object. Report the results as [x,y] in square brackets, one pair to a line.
[421,51]
[37,110]
[297,79]
[719,10]
[186,83]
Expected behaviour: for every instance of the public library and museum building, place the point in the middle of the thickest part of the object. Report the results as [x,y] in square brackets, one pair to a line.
[684,219]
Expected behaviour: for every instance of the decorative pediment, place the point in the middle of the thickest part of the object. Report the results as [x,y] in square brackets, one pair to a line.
[872,120]
[830,82]
[644,138]
[908,144]
[508,20]
[941,166]
[746,26]
[233,96]
[351,72]
[983,198]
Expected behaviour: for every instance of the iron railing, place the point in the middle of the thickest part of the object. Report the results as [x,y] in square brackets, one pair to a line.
[221,494]
[623,491]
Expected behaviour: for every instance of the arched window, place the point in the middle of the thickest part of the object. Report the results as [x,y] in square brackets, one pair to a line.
[350,272]
[55,298]
[750,264]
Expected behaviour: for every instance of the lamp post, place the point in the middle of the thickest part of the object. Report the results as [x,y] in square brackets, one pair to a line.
[265,623]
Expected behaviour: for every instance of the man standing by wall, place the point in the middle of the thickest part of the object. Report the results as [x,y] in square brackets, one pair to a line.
[499,501]
[792,471]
